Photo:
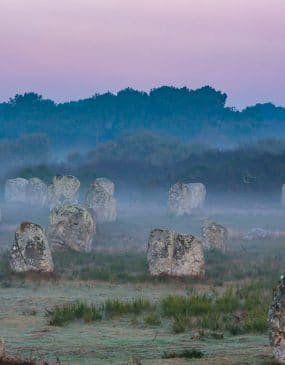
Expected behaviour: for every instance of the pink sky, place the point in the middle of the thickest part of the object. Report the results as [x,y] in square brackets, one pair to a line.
[70,49]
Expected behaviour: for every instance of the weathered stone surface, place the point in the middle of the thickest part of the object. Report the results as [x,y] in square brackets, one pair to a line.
[184,198]
[198,195]
[107,184]
[101,201]
[16,190]
[36,192]
[276,319]
[214,236]
[171,253]
[64,190]
[31,251]
[72,227]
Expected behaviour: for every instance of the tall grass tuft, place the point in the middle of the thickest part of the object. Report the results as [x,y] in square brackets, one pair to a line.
[62,315]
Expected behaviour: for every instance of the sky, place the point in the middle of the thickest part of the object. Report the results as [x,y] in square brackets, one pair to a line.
[72,49]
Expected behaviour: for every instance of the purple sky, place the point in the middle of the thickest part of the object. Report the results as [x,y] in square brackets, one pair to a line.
[70,49]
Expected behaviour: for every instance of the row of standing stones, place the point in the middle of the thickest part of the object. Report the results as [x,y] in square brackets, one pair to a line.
[73,227]
[64,190]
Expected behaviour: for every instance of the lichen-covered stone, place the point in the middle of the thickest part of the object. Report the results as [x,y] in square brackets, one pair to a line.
[16,190]
[31,251]
[214,236]
[101,201]
[107,184]
[276,318]
[72,227]
[184,198]
[171,253]
[36,192]
[64,190]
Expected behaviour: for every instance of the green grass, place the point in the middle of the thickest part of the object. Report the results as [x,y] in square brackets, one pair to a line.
[239,311]
[116,308]
[116,267]
[66,313]
[62,315]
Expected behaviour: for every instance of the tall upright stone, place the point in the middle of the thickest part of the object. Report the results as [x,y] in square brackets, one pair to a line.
[37,192]
[214,236]
[276,319]
[31,251]
[16,190]
[64,190]
[72,227]
[100,199]
[185,198]
[174,254]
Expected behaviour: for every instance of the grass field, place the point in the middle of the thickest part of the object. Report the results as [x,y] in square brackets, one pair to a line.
[103,307]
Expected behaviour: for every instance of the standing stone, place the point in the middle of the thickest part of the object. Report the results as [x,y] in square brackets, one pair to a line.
[184,198]
[36,192]
[64,190]
[72,227]
[101,200]
[16,190]
[198,191]
[107,184]
[171,253]
[276,318]
[31,251]
[214,236]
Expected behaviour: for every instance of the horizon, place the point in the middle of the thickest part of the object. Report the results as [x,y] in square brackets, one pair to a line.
[69,52]
[142,91]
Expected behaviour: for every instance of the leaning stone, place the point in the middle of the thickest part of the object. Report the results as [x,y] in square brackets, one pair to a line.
[16,190]
[184,198]
[36,192]
[101,201]
[64,190]
[174,254]
[214,236]
[276,318]
[31,251]
[72,227]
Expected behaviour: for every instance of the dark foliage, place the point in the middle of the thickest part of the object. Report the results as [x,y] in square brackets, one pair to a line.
[181,112]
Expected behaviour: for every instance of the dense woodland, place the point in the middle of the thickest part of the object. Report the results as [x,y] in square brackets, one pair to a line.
[147,140]
[187,114]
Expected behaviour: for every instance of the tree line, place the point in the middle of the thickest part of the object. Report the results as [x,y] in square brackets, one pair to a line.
[190,115]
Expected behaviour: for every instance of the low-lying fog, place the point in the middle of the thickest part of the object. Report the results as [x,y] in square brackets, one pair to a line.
[140,212]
